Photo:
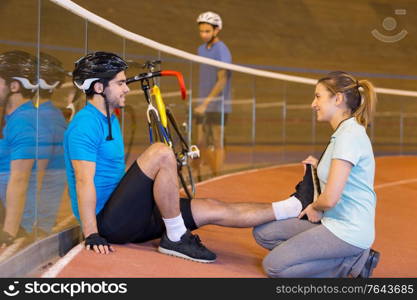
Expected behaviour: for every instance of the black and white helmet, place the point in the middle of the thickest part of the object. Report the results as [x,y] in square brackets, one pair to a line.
[96,66]
[21,66]
[210,18]
[52,72]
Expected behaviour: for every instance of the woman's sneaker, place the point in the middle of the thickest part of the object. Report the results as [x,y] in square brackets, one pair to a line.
[189,247]
[370,264]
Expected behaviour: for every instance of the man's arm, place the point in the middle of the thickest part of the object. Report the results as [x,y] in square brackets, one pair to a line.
[41,170]
[86,197]
[20,171]
[215,91]
[86,194]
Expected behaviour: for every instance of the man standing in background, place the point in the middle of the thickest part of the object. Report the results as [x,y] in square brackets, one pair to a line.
[214,104]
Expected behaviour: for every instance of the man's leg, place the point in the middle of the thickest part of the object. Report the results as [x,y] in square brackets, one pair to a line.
[158,162]
[219,151]
[129,214]
[211,211]
[197,163]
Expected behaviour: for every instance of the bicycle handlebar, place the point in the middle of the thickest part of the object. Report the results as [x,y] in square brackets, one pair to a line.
[150,75]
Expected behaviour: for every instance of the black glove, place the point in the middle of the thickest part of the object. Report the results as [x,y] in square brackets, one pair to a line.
[95,239]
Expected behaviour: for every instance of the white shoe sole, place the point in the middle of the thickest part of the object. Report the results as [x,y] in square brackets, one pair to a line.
[181,255]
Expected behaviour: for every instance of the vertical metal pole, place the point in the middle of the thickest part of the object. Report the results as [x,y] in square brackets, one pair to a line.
[190,104]
[85,46]
[284,122]
[253,119]
[123,109]
[401,132]
[85,36]
[38,50]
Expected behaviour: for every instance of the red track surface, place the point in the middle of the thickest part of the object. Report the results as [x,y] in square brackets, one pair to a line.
[240,256]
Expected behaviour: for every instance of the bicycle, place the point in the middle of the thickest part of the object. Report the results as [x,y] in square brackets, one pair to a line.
[162,125]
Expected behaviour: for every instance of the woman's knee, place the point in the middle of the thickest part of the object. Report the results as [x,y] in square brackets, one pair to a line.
[257,234]
[260,235]
[272,266]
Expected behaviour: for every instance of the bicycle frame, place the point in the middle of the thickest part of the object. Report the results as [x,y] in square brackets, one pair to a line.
[158,117]
[154,91]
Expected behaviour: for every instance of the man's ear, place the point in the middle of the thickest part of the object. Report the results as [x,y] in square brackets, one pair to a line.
[14,86]
[98,87]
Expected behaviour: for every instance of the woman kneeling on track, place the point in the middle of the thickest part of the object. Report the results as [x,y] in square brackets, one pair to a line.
[335,241]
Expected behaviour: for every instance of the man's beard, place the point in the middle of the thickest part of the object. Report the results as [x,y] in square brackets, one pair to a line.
[116,105]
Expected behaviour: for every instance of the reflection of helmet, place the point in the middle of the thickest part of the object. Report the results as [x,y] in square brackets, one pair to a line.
[210,18]
[52,73]
[95,66]
[20,66]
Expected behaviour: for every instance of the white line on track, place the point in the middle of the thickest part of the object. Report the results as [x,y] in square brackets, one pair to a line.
[59,265]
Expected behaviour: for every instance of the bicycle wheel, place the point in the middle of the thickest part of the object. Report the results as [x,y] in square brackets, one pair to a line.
[181,149]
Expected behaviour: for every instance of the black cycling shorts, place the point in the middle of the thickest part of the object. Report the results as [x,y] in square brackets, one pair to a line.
[131,214]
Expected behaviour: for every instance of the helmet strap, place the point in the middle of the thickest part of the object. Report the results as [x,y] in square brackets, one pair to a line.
[106,102]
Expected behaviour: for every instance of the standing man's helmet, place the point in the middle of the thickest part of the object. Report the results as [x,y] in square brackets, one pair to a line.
[210,18]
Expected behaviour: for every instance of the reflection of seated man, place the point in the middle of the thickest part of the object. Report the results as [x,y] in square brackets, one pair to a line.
[52,125]
[214,94]
[18,138]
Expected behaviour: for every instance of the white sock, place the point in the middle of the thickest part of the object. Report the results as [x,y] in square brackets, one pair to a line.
[175,228]
[289,208]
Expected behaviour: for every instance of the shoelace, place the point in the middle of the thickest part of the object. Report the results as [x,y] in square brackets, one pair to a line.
[197,239]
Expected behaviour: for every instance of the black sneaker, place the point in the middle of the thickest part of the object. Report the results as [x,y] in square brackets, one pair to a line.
[370,264]
[189,247]
[308,189]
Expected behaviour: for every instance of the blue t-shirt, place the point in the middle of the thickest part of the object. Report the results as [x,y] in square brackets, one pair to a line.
[85,139]
[208,77]
[19,142]
[19,136]
[353,217]
[52,126]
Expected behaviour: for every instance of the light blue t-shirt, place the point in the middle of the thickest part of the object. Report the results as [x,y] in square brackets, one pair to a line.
[208,77]
[353,217]
[85,139]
